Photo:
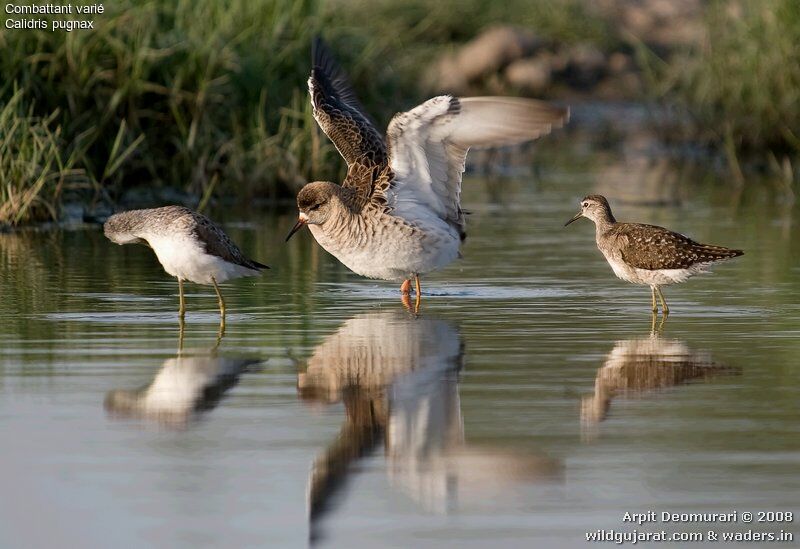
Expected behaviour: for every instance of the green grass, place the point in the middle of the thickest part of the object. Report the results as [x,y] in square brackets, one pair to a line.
[31,151]
[743,84]
[182,93]
[208,96]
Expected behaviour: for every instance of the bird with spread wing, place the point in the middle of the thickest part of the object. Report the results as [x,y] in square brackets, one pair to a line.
[397,214]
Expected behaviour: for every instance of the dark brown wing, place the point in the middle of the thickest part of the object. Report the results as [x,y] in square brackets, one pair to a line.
[219,244]
[651,247]
[343,119]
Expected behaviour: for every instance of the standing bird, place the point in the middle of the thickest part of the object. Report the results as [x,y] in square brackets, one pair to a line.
[397,215]
[647,254]
[187,244]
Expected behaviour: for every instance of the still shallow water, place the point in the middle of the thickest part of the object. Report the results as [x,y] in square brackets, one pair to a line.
[527,404]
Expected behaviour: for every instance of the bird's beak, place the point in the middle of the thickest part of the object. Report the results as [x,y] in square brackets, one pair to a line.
[302,219]
[576,217]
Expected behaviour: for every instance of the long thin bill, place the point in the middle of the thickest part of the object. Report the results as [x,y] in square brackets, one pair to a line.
[297,227]
[576,217]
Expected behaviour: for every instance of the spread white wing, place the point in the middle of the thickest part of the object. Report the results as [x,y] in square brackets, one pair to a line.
[428,146]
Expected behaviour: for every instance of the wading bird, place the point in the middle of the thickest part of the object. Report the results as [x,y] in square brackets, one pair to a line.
[397,215]
[647,254]
[187,244]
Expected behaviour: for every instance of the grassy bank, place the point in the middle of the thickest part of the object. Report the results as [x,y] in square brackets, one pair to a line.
[208,96]
[186,94]
[742,84]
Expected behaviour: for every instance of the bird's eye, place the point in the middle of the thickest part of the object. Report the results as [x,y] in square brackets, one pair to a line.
[314,207]
[585,204]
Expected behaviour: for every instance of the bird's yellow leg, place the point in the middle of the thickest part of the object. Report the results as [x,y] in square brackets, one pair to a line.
[181,301]
[181,327]
[655,305]
[656,331]
[220,301]
[664,307]
[220,333]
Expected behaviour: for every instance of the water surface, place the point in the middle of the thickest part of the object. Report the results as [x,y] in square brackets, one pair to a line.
[527,403]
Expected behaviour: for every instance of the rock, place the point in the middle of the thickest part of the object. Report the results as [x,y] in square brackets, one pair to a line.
[148,197]
[485,55]
[619,62]
[495,48]
[98,213]
[446,76]
[664,24]
[586,66]
[618,87]
[531,75]
[71,213]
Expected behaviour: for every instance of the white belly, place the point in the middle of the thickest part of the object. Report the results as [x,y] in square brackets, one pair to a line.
[391,253]
[184,258]
[655,277]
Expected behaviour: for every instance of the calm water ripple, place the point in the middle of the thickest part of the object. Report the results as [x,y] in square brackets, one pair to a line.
[526,404]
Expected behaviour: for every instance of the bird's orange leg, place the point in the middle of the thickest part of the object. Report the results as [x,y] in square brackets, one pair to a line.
[405,287]
[418,291]
[406,301]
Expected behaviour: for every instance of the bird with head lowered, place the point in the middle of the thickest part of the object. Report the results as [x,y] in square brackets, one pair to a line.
[187,244]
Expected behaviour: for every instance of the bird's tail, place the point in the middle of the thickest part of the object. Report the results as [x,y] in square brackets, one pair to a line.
[255,265]
[716,253]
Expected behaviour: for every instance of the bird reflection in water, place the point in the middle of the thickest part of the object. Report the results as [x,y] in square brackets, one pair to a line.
[185,387]
[637,367]
[397,376]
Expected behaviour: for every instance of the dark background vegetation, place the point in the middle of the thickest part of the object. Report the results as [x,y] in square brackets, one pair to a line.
[206,99]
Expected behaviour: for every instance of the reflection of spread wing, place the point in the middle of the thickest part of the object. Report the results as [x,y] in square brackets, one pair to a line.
[358,364]
[650,247]
[342,118]
[428,145]
[361,433]
[219,244]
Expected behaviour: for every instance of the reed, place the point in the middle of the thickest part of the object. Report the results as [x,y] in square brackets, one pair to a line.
[742,85]
[33,168]
[161,93]
[208,96]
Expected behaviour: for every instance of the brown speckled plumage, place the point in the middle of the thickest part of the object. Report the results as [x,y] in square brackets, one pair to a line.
[648,254]
[651,247]
[397,215]
[341,116]
[188,245]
